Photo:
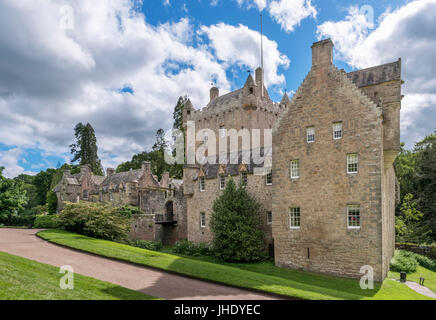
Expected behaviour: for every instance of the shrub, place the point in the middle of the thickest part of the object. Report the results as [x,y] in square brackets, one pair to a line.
[97,220]
[192,249]
[403,261]
[425,262]
[150,245]
[236,226]
[45,222]
[127,211]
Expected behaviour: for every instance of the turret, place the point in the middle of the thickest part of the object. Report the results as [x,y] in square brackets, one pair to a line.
[214,93]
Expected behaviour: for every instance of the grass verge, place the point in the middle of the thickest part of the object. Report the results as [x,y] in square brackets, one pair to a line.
[263,276]
[23,279]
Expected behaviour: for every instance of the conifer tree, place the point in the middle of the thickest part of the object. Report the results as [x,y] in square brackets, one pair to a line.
[85,149]
[236,226]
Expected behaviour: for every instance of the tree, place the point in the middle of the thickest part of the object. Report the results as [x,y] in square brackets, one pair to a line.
[408,225]
[12,198]
[425,181]
[85,149]
[52,202]
[177,168]
[236,226]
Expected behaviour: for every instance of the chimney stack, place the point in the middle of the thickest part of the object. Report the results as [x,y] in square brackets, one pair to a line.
[146,167]
[214,93]
[110,171]
[164,182]
[322,53]
[66,173]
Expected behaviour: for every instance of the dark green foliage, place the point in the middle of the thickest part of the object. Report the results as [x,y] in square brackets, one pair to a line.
[149,245]
[85,149]
[45,222]
[408,224]
[189,248]
[236,226]
[416,173]
[52,202]
[96,220]
[127,211]
[403,261]
[408,261]
[13,198]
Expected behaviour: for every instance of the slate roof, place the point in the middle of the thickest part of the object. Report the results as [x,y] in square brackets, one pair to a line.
[227,99]
[232,166]
[375,75]
[117,179]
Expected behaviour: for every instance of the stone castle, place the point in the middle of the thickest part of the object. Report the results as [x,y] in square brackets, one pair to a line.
[329,195]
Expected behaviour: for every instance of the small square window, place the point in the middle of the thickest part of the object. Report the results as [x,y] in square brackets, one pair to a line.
[310,134]
[353,213]
[294,218]
[202,220]
[268,177]
[295,169]
[202,183]
[244,179]
[222,182]
[269,217]
[352,163]
[337,130]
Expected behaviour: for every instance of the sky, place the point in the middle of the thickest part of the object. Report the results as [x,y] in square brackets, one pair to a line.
[122,64]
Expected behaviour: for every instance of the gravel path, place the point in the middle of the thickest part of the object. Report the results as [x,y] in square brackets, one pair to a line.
[24,243]
[421,289]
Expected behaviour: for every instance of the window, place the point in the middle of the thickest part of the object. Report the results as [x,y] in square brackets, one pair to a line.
[294,218]
[269,217]
[353,213]
[111,198]
[295,169]
[337,130]
[352,163]
[85,194]
[244,179]
[310,134]
[202,220]
[202,184]
[268,177]
[223,132]
[222,182]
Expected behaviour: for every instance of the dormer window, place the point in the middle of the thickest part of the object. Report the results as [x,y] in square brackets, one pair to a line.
[202,183]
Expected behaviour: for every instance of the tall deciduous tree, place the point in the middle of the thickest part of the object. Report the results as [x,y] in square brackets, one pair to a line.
[12,197]
[85,148]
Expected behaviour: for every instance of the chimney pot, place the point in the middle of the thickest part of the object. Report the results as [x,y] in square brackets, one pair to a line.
[110,171]
[214,93]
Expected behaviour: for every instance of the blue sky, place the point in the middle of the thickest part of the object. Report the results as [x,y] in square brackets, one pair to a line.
[122,64]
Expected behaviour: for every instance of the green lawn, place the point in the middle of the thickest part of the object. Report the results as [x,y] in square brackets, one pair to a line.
[429,276]
[259,276]
[23,279]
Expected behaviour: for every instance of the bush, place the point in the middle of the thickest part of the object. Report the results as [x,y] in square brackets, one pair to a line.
[97,220]
[403,261]
[425,262]
[149,245]
[45,222]
[189,248]
[127,211]
[236,226]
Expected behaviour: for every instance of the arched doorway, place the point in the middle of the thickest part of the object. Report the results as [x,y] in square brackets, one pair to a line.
[169,211]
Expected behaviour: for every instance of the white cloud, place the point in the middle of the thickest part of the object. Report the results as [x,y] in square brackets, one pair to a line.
[408,32]
[9,159]
[241,46]
[290,13]
[52,78]
[259,4]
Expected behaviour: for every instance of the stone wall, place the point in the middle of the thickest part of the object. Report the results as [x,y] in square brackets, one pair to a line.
[323,191]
